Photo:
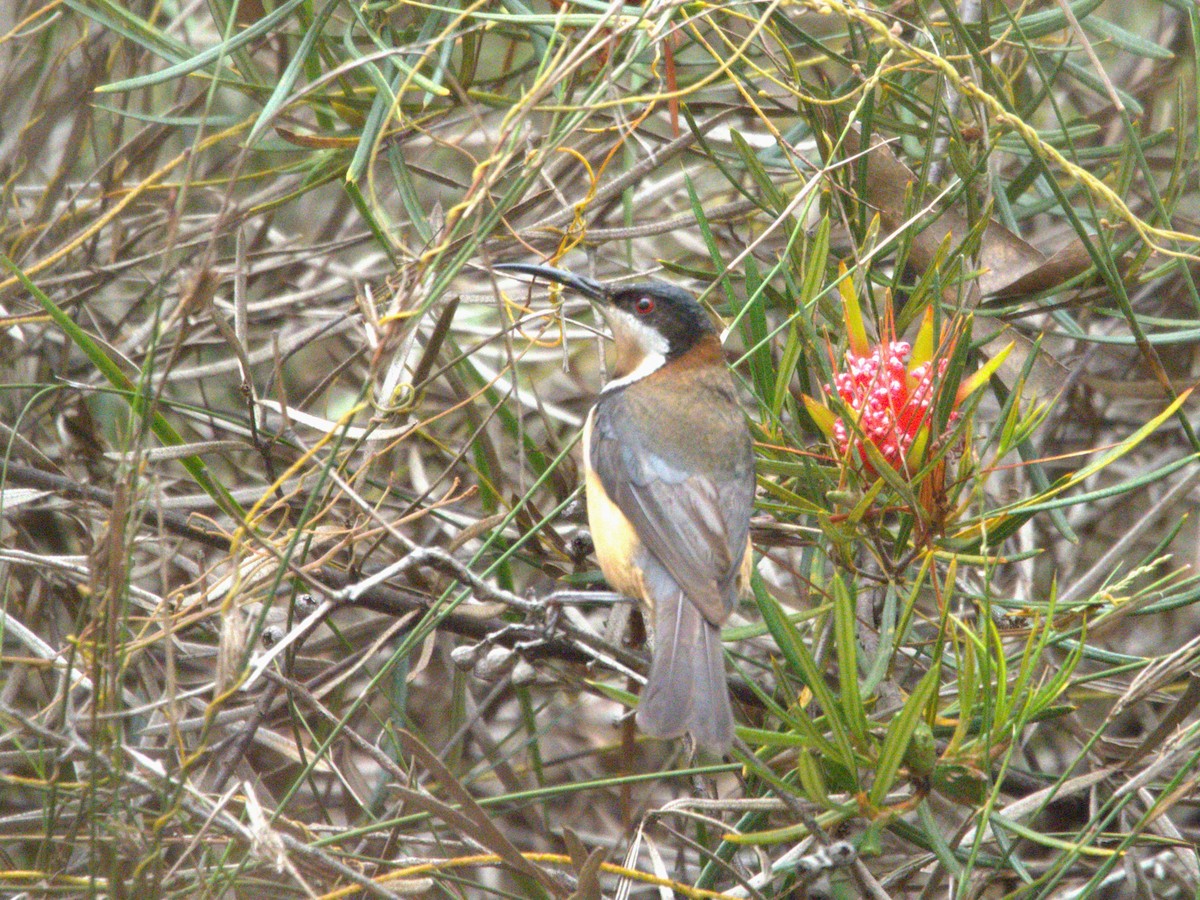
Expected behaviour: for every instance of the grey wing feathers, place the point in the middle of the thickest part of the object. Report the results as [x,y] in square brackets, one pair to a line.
[694,522]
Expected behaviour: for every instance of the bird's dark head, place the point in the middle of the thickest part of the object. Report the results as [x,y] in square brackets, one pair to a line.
[660,314]
[652,323]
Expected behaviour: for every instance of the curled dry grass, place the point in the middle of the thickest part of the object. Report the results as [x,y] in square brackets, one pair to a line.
[261,391]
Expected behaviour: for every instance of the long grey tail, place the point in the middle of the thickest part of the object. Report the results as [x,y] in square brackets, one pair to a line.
[686,690]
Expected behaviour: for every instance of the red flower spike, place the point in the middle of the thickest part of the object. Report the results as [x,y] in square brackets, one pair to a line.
[887,388]
[889,403]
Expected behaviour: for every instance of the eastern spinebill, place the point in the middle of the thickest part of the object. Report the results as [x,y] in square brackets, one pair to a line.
[669,472]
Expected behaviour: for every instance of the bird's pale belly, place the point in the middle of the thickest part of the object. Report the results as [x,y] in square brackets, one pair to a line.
[617,544]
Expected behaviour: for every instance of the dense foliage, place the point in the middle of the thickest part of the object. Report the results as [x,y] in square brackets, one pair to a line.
[295,595]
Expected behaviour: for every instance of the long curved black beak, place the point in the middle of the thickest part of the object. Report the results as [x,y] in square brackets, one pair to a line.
[591,289]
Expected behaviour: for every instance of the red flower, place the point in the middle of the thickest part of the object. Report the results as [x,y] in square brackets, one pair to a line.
[890,402]
[886,390]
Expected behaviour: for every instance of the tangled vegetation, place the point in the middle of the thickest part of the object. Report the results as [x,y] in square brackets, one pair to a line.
[295,592]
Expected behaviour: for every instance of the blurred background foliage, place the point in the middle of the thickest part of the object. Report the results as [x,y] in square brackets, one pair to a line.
[289,474]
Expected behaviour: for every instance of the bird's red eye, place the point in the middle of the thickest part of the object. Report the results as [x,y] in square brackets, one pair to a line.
[644,305]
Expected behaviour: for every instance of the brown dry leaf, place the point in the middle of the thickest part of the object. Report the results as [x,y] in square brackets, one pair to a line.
[469,817]
[1046,377]
[1066,263]
[1003,256]
[587,867]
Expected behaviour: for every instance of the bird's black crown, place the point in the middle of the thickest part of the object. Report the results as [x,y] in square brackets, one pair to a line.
[664,308]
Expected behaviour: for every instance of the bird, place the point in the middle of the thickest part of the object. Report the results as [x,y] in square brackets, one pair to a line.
[669,485]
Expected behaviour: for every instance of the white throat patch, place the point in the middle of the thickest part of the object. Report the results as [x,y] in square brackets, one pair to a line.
[652,346]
